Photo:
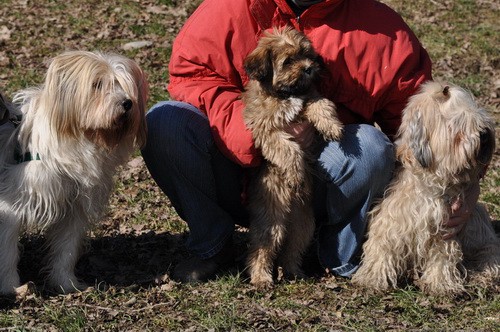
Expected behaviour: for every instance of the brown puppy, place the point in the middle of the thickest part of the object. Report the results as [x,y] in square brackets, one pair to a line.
[283,70]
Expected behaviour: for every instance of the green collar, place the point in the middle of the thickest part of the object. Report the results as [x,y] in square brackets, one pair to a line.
[22,158]
[16,120]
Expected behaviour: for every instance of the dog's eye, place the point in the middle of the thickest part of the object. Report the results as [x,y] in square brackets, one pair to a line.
[97,85]
[287,61]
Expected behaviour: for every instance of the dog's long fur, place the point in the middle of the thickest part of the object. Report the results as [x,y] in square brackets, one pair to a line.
[445,141]
[282,70]
[78,126]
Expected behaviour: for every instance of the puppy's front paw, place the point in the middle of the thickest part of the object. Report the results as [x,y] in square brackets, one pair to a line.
[333,132]
[322,113]
[261,280]
[262,284]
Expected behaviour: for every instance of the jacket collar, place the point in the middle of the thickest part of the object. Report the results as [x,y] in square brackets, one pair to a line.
[263,13]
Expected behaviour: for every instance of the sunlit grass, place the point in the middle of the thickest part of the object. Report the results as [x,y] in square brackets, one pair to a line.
[462,38]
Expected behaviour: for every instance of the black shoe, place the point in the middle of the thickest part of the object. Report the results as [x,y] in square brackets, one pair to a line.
[196,269]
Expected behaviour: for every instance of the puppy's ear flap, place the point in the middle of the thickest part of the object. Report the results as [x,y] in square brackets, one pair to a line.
[258,64]
[418,141]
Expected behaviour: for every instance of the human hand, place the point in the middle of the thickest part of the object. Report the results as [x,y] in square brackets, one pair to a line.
[461,211]
[303,133]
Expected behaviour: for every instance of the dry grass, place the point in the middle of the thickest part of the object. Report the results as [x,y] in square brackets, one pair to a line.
[130,254]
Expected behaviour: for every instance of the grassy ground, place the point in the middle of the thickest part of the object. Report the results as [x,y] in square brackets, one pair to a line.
[132,251]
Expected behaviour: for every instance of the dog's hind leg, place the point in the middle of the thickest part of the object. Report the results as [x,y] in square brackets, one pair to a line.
[9,253]
[481,246]
[300,230]
[65,241]
[267,228]
[264,244]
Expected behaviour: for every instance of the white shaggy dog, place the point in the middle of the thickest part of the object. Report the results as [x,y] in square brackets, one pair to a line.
[57,164]
[445,142]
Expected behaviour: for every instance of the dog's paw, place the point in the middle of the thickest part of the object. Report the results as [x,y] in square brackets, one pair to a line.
[68,286]
[291,270]
[262,282]
[333,132]
[486,277]
[442,288]
[17,294]
[322,114]
[375,281]
[298,275]
[263,285]
[23,291]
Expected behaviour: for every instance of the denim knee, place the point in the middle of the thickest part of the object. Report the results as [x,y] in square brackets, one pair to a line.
[171,121]
[158,128]
[364,153]
[378,158]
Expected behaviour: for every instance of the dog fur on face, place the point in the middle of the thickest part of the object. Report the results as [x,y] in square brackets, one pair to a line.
[283,70]
[78,127]
[445,142]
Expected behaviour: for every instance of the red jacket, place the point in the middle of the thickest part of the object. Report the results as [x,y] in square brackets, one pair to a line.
[374,62]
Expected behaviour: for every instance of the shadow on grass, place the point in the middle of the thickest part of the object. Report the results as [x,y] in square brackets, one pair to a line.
[126,260]
[120,260]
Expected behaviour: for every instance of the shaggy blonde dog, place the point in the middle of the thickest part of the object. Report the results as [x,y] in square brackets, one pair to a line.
[57,164]
[282,70]
[445,142]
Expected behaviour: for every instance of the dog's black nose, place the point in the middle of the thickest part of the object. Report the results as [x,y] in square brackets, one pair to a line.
[127,104]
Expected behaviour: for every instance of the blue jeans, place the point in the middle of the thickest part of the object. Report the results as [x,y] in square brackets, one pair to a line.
[205,187]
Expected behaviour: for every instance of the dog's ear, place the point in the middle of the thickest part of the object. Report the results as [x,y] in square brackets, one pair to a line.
[443,94]
[141,80]
[59,93]
[419,141]
[446,91]
[487,146]
[258,64]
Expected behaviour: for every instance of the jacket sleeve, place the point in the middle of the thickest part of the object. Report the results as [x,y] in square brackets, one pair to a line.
[206,69]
